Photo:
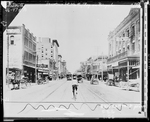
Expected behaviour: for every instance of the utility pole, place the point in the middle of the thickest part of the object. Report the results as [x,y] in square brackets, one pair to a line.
[7,53]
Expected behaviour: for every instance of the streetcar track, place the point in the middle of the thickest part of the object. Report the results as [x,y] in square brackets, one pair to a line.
[53,91]
[65,91]
[47,95]
[82,96]
[39,90]
[96,94]
[91,91]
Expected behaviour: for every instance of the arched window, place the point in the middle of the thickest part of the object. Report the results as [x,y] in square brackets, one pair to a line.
[12,40]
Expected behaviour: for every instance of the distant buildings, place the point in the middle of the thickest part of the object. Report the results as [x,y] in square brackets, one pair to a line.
[124,47]
[96,65]
[22,51]
[49,61]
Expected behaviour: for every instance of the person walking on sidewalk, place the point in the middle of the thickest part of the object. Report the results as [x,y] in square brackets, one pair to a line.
[74,87]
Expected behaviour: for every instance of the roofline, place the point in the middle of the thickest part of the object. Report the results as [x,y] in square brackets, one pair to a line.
[56,42]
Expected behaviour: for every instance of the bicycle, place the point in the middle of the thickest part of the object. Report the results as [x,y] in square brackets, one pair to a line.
[74,92]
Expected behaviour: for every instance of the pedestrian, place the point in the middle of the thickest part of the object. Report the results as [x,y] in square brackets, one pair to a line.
[74,87]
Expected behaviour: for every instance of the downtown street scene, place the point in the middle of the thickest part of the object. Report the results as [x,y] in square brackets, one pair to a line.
[73,61]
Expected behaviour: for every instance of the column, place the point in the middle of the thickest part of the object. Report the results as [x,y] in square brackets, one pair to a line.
[128,74]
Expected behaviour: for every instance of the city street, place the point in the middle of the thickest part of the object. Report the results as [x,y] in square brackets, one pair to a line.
[55,99]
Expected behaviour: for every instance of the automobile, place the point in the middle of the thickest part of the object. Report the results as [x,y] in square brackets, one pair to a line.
[110,80]
[79,78]
[74,76]
[50,77]
[94,81]
[69,76]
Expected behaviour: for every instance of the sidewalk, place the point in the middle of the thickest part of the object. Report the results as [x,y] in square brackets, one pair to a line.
[123,86]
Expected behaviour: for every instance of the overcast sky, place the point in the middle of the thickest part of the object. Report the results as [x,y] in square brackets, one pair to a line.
[81,30]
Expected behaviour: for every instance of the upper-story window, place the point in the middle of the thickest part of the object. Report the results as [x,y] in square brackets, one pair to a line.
[12,40]
[133,30]
[127,33]
[123,49]
[128,47]
[123,34]
[34,47]
[138,26]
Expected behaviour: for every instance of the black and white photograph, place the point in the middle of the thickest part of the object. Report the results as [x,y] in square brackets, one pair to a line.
[74,60]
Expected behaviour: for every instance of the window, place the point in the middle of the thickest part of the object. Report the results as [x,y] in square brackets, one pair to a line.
[123,35]
[34,47]
[123,49]
[139,46]
[127,33]
[133,47]
[30,44]
[12,40]
[138,26]
[128,47]
[133,30]
[45,53]
[46,49]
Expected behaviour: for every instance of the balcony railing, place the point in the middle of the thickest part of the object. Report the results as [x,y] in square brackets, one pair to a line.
[118,57]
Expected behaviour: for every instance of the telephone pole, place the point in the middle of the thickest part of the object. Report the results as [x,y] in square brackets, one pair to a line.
[102,66]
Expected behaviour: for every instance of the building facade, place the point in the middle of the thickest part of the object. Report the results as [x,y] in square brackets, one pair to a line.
[54,54]
[44,59]
[97,65]
[124,47]
[22,51]
[60,67]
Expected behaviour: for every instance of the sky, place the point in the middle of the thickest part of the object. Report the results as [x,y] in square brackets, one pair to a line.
[81,30]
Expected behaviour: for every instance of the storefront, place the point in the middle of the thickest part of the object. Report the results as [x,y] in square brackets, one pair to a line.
[30,73]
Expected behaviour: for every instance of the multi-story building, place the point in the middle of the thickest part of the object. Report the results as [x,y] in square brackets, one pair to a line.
[54,55]
[44,59]
[124,47]
[60,65]
[97,65]
[22,51]
[64,67]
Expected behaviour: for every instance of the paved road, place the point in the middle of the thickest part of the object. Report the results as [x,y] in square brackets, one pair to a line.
[55,99]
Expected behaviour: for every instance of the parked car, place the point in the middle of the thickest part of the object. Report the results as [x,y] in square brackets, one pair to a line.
[110,80]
